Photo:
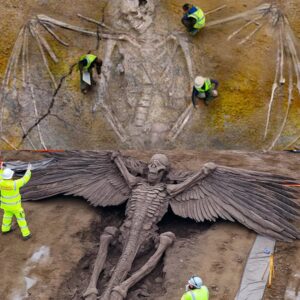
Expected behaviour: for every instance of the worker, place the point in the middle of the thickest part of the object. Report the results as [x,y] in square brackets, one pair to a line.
[193,18]
[1,168]
[205,89]
[195,290]
[11,201]
[85,66]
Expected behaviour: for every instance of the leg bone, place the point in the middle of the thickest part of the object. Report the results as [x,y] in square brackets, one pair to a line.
[120,292]
[105,239]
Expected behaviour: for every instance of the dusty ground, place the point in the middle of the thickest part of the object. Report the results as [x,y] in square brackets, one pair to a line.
[235,120]
[217,252]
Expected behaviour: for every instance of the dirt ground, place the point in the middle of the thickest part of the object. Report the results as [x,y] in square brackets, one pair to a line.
[215,251]
[235,120]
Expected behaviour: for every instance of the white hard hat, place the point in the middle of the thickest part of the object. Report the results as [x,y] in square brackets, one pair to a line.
[196,282]
[199,81]
[7,173]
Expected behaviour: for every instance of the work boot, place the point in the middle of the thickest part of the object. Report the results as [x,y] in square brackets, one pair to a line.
[27,237]
[7,232]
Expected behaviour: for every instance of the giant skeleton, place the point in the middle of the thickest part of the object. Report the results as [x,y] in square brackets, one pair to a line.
[266,203]
[152,110]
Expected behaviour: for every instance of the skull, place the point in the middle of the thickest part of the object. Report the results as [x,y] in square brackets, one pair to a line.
[131,14]
[158,166]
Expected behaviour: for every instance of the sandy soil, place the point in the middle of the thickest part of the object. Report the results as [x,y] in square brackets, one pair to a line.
[217,252]
[61,225]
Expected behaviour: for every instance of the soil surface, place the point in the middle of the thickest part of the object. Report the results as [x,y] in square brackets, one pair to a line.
[215,251]
[150,85]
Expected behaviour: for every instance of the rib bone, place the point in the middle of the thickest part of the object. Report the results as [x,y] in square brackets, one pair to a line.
[180,123]
[47,27]
[47,20]
[102,93]
[293,50]
[37,38]
[244,26]
[288,104]
[215,10]
[281,80]
[248,37]
[274,87]
[46,46]
[258,10]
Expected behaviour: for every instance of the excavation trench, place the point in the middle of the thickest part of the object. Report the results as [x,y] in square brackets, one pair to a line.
[71,228]
[152,286]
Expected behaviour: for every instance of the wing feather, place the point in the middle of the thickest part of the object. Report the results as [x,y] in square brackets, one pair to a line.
[88,174]
[261,201]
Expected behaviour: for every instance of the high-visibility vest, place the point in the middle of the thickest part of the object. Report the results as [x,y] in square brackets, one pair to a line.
[206,86]
[1,171]
[199,16]
[90,58]
[197,294]
[10,192]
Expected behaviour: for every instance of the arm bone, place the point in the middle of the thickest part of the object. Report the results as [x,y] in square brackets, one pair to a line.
[175,189]
[129,178]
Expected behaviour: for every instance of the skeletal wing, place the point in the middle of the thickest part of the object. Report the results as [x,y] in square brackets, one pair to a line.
[260,201]
[88,174]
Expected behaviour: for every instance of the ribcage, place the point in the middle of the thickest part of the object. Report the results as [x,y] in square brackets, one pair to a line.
[148,203]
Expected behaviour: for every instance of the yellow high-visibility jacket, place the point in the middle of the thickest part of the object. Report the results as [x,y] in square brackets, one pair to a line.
[10,192]
[90,58]
[199,16]
[197,294]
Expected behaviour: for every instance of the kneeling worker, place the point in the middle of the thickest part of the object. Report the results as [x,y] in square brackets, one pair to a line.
[205,89]
[193,18]
[11,201]
[195,290]
[85,65]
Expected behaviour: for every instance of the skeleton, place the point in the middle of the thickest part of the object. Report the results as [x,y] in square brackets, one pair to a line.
[258,200]
[152,111]
[142,53]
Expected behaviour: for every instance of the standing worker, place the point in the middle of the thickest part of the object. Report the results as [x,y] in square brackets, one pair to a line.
[205,89]
[193,18]
[11,201]
[85,65]
[195,290]
[1,168]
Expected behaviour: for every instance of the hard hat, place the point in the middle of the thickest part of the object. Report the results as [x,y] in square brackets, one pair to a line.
[199,81]
[7,173]
[196,282]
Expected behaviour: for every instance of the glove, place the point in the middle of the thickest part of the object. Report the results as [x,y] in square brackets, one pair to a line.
[29,167]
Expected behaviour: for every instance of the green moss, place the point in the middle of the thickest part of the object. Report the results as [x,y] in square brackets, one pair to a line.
[7,41]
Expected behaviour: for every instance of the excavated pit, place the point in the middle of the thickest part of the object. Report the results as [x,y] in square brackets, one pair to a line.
[152,286]
[215,251]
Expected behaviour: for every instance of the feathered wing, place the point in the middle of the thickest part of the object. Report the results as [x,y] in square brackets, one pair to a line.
[88,174]
[260,201]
